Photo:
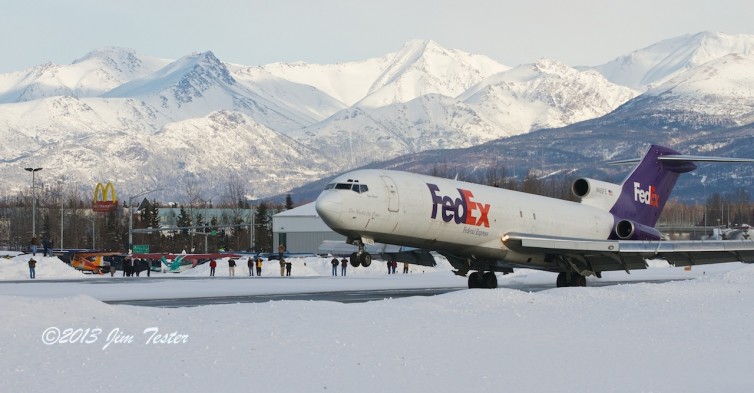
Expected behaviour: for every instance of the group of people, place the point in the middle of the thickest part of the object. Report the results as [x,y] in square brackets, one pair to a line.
[254,264]
[47,246]
[133,267]
[392,265]
[343,265]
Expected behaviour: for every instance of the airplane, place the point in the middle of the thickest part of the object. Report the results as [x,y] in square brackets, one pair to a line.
[487,229]
[93,262]
[176,263]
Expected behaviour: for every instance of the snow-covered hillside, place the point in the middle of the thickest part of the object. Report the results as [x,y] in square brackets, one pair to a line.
[657,63]
[719,93]
[93,74]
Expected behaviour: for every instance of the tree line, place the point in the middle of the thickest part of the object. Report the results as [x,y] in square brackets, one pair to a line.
[67,213]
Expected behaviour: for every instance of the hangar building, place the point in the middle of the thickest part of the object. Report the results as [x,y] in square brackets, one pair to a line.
[301,230]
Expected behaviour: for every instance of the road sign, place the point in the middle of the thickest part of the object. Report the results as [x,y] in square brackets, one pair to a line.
[141,248]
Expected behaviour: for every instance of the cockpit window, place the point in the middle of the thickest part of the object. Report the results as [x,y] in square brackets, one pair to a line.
[351,185]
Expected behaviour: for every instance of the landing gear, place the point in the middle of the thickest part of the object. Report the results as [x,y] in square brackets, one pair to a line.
[361,257]
[570,280]
[482,280]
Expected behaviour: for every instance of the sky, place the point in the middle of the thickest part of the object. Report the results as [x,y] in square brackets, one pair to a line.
[255,32]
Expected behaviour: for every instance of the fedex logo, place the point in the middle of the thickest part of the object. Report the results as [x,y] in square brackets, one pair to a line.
[461,210]
[648,197]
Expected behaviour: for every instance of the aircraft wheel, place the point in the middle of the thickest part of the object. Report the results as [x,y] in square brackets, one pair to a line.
[355,260]
[561,282]
[489,279]
[474,281]
[577,280]
[366,259]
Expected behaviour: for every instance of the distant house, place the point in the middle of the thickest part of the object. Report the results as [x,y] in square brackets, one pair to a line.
[301,230]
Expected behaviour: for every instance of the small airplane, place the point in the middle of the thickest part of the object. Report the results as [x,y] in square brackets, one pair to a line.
[176,263]
[487,229]
[93,262]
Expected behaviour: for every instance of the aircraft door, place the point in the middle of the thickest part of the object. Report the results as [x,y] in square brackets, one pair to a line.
[392,194]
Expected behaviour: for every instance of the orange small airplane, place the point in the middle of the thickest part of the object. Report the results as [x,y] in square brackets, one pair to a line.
[93,262]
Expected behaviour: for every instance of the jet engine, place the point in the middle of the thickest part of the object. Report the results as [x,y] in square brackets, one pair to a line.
[629,230]
[596,193]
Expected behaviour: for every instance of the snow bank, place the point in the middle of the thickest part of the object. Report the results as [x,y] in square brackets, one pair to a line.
[690,336]
[17,268]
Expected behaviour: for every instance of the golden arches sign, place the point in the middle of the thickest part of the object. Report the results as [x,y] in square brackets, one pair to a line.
[104,199]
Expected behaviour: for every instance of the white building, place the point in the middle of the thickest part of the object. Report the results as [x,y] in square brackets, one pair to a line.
[301,230]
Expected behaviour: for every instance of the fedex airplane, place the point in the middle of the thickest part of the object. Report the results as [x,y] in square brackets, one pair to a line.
[483,230]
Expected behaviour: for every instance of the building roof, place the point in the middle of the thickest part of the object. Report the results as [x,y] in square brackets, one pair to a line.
[301,211]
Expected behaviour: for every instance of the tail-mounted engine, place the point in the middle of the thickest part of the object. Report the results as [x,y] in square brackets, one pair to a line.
[629,230]
[596,193]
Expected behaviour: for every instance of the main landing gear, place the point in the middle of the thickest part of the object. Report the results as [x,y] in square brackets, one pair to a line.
[482,280]
[570,280]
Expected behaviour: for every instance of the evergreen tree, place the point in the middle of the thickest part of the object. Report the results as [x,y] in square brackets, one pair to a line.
[288,202]
[263,229]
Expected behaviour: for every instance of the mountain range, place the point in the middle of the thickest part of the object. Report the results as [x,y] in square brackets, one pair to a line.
[145,122]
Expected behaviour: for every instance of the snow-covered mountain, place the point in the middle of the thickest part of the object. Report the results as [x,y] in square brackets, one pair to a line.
[719,93]
[546,94]
[648,67]
[95,73]
[116,115]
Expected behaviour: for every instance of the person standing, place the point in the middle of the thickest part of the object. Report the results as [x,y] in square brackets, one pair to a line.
[343,265]
[287,268]
[34,243]
[32,268]
[395,266]
[389,266]
[334,263]
[232,267]
[212,266]
[259,267]
[282,267]
[250,265]
[45,246]
[405,267]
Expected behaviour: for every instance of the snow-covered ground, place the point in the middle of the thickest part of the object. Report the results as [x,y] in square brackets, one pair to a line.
[682,336]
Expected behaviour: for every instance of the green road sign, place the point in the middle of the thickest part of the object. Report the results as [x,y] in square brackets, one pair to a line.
[141,248]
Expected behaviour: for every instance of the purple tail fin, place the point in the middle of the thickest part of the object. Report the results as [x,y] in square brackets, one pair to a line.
[647,188]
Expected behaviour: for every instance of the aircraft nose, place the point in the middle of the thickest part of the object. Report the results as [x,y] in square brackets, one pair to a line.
[329,206]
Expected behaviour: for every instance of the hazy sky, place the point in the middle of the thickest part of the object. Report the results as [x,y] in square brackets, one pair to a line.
[251,32]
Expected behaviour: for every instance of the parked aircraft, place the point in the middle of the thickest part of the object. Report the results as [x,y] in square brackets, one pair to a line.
[177,263]
[93,262]
[486,229]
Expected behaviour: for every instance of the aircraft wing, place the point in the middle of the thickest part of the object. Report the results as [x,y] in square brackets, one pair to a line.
[607,255]
[411,255]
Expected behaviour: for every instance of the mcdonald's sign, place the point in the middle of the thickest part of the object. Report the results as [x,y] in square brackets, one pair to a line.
[104,199]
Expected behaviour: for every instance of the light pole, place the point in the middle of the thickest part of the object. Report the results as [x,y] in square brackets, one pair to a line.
[206,218]
[33,201]
[62,199]
[131,217]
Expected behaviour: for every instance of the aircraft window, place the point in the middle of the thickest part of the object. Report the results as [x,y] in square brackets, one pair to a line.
[363,188]
[342,186]
[330,186]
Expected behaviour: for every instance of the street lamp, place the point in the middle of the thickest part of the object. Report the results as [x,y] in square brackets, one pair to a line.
[131,217]
[33,201]
[206,217]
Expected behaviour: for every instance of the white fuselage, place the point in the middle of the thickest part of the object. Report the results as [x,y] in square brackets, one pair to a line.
[447,215]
